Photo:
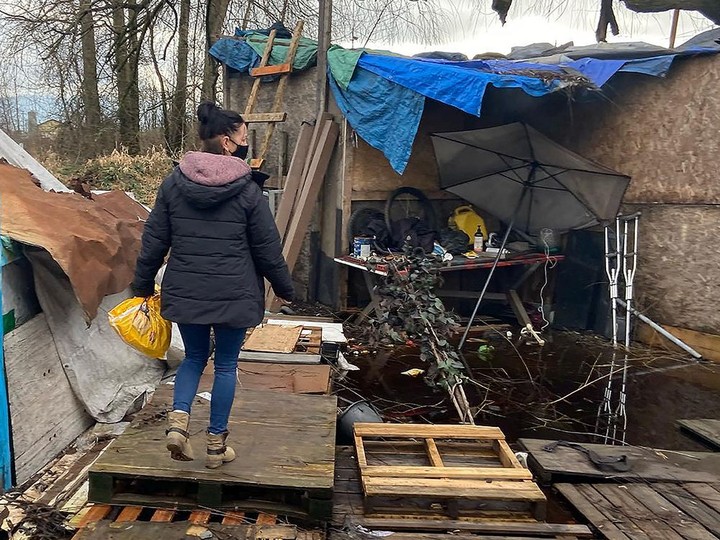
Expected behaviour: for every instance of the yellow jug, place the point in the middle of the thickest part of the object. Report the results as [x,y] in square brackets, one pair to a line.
[465,219]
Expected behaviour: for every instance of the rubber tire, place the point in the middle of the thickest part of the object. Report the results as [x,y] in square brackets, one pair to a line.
[359,217]
[422,199]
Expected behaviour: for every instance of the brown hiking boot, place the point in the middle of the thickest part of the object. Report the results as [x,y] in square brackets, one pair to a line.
[178,438]
[218,453]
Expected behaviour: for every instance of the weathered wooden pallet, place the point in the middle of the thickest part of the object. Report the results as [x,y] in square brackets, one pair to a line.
[96,522]
[421,519]
[488,470]
[648,510]
[285,446]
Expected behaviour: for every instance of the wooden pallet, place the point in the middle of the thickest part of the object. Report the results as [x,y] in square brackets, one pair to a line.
[420,519]
[488,470]
[100,522]
[648,510]
[285,445]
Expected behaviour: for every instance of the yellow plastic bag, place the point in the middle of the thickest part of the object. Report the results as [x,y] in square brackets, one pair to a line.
[140,325]
[465,219]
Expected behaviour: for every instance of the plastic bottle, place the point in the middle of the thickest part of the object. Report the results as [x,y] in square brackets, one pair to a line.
[479,243]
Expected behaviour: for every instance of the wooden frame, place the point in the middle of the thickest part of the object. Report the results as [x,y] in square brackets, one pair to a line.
[506,481]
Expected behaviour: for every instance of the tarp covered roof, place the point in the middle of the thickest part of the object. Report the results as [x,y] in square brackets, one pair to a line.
[382,95]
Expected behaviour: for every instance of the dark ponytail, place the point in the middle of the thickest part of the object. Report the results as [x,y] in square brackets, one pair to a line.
[215,121]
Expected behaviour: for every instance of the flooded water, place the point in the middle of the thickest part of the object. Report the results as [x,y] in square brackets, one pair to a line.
[550,392]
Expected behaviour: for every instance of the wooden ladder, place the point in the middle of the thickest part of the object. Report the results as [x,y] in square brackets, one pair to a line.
[276,115]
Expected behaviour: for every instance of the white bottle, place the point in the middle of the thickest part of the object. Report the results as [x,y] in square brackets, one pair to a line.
[479,244]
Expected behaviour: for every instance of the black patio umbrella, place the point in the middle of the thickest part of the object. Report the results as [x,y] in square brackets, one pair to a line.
[527,181]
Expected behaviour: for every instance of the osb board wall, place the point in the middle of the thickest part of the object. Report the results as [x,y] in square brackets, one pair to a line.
[676,282]
[372,177]
[664,133]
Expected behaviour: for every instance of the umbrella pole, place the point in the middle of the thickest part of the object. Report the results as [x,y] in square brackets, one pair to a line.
[485,287]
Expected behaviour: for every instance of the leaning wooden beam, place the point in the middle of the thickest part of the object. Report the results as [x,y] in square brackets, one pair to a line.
[305,205]
[294,179]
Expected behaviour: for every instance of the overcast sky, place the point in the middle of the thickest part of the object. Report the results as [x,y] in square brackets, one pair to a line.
[471,27]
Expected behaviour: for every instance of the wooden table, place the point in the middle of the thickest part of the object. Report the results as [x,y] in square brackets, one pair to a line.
[533,261]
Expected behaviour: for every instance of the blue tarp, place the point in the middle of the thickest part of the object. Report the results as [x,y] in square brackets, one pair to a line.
[383,101]
[235,53]
[389,129]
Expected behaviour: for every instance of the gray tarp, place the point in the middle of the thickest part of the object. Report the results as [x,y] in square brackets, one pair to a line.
[109,377]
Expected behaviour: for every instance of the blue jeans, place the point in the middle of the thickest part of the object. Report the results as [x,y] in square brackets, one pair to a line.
[196,338]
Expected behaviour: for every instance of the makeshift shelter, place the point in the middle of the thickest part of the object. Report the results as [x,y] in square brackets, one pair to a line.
[70,260]
[391,105]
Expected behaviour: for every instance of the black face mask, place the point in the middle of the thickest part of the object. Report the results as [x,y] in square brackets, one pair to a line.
[241,152]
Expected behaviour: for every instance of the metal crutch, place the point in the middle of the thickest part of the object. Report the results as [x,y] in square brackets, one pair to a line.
[613,269]
[629,268]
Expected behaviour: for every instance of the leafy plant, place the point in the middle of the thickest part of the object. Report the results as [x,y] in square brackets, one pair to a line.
[411,313]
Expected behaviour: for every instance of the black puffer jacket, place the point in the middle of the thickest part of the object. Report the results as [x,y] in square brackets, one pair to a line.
[222,240]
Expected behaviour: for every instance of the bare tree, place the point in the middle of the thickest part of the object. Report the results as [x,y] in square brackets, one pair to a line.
[177,121]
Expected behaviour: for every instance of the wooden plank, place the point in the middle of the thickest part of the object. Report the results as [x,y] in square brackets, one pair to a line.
[264,117]
[636,512]
[663,510]
[199,517]
[706,493]
[697,509]
[449,488]
[163,516]
[646,464]
[129,513]
[294,179]
[266,519]
[144,530]
[256,83]
[479,527]
[273,338]
[468,473]
[706,344]
[507,456]
[95,513]
[443,536]
[35,377]
[435,431]
[623,522]
[233,518]
[706,429]
[279,358]
[578,500]
[360,449]
[433,454]
[300,220]
[277,69]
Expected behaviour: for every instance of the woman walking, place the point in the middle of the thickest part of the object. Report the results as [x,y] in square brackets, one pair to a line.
[223,243]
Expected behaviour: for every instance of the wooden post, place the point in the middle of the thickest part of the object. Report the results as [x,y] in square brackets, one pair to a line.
[324,39]
[674,27]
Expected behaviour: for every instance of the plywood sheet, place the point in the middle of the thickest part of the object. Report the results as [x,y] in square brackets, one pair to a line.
[706,429]
[273,338]
[645,464]
[46,415]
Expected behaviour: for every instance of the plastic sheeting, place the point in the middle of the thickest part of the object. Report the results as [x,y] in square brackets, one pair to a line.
[463,84]
[109,377]
[243,54]
[383,113]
